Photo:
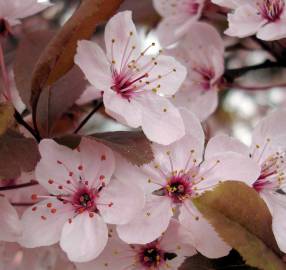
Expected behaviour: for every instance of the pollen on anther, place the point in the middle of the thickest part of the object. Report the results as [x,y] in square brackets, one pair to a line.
[174,70]
[60,187]
[34,208]
[164,110]
[53,211]
[43,218]
[103,157]
[51,181]
[148,214]
[68,182]
[101,177]
[49,205]
[80,167]
[113,40]
[91,215]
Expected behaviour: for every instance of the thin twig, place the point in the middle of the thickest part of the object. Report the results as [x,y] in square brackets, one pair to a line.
[11,187]
[85,120]
[256,88]
[231,74]
[21,121]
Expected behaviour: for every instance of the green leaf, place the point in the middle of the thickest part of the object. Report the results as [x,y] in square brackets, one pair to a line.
[6,117]
[243,220]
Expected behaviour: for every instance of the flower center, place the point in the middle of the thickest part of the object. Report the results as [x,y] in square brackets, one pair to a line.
[84,199]
[272,175]
[206,75]
[271,10]
[179,188]
[151,256]
[125,84]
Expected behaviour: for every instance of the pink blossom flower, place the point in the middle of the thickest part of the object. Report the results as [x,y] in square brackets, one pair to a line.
[265,18]
[178,16]
[13,10]
[268,151]
[178,174]
[134,84]
[202,52]
[11,228]
[167,252]
[84,198]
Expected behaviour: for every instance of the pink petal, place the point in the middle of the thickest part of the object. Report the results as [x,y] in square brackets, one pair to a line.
[174,240]
[167,29]
[161,121]
[273,31]
[202,105]
[11,227]
[277,205]
[224,143]
[97,162]
[227,166]
[127,171]
[22,9]
[120,36]
[125,111]
[230,3]
[41,227]
[113,257]
[244,21]
[55,166]
[120,201]
[84,238]
[94,64]
[167,76]
[269,135]
[148,224]
[201,234]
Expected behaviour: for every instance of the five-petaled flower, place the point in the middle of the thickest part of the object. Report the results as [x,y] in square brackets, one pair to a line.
[202,52]
[265,18]
[178,174]
[268,151]
[13,10]
[134,85]
[83,199]
[167,252]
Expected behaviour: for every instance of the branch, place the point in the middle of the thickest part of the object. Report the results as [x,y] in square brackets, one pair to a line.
[231,74]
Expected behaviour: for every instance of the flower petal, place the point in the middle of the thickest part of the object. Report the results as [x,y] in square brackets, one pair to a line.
[113,257]
[161,121]
[84,238]
[244,21]
[121,39]
[42,226]
[224,143]
[92,61]
[91,93]
[167,75]
[201,234]
[148,224]
[97,161]
[11,227]
[227,166]
[120,201]
[125,111]
[273,31]
[55,166]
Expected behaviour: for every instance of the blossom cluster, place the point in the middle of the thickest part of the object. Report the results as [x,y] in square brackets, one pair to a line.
[101,208]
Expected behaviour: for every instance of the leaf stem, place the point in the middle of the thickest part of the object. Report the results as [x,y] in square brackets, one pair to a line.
[85,120]
[21,122]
